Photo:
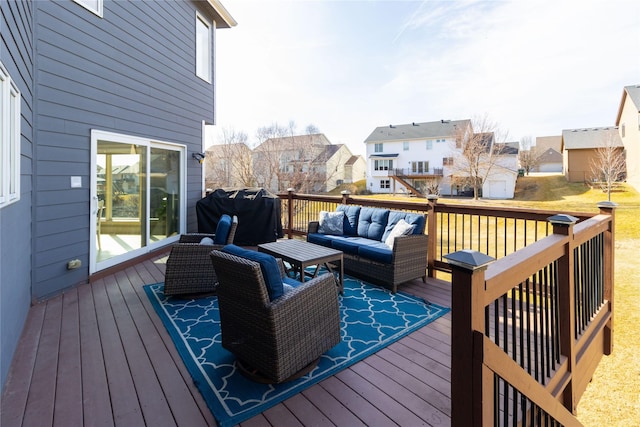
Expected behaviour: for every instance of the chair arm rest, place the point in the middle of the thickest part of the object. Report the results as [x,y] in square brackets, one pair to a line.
[313,227]
[320,292]
[195,237]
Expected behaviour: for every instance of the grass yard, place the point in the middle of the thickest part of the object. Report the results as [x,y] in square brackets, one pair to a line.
[613,397]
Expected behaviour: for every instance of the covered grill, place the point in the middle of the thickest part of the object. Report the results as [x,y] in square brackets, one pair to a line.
[258,211]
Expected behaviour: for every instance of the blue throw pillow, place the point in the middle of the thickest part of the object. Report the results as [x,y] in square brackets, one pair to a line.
[351,214]
[222,230]
[268,265]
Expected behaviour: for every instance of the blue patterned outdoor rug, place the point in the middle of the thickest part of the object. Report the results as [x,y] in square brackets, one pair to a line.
[372,318]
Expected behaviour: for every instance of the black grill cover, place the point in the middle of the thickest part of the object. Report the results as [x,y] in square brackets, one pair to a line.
[257,209]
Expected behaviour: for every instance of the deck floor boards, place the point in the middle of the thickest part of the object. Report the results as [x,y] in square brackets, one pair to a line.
[98,355]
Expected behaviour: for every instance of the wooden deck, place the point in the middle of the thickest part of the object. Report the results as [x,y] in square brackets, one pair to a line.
[99,356]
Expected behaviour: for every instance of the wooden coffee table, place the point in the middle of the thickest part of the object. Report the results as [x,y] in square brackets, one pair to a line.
[300,254]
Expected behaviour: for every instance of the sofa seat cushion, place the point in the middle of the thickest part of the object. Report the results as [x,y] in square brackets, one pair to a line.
[376,251]
[268,266]
[349,245]
[372,223]
[320,239]
[351,215]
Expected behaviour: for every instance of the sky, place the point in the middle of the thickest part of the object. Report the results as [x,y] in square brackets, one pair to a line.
[532,67]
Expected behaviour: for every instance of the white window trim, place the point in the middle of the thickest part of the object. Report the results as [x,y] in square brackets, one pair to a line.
[98,10]
[205,74]
[9,139]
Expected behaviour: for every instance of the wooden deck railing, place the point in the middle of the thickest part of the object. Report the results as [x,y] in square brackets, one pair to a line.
[532,302]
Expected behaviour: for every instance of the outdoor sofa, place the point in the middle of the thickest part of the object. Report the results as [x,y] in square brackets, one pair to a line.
[381,246]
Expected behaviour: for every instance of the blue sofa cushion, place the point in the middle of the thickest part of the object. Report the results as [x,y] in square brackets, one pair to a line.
[372,223]
[222,230]
[319,239]
[377,251]
[351,215]
[268,265]
[417,220]
[348,245]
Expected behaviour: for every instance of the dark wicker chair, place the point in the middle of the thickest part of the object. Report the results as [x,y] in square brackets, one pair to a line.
[189,270]
[274,341]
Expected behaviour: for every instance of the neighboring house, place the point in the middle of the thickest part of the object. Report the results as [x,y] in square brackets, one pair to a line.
[408,158]
[228,165]
[281,163]
[89,90]
[501,181]
[549,158]
[335,166]
[419,158]
[579,148]
[355,169]
[628,123]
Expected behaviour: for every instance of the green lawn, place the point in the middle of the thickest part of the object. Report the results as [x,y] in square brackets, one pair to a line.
[613,397]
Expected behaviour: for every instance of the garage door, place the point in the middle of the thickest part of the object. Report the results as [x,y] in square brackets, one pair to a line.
[497,189]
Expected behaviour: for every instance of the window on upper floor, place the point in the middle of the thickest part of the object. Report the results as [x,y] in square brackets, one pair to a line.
[95,6]
[447,161]
[429,145]
[9,139]
[203,48]
[405,145]
[382,165]
[377,148]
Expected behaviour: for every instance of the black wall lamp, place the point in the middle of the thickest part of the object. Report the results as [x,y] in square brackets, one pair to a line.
[199,157]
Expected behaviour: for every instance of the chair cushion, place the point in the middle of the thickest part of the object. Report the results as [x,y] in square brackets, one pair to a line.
[402,228]
[206,241]
[268,265]
[331,223]
[222,230]
[289,284]
[372,223]
[351,215]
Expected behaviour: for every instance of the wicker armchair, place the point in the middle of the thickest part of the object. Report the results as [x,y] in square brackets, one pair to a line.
[189,269]
[274,341]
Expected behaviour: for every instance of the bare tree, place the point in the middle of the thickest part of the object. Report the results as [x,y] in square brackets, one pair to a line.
[528,155]
[608,166]
[476,152]
[228,163]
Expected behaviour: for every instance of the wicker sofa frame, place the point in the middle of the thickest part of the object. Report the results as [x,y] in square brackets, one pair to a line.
[189,270]
[277,338]
[408,262]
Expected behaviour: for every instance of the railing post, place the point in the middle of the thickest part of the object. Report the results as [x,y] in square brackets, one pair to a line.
[345,196]
[563,225]
[467,318]
[608,208]
[432,232]
[290,212]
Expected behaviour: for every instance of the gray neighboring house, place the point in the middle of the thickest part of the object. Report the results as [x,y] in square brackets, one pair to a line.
[91,86]
[549,157]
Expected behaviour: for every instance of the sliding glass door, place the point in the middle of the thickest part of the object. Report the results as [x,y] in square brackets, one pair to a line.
[137,196]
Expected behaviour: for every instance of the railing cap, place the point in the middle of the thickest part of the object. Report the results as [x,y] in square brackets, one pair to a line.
[432,197]
[562,219]
[607,205]
[468,259]
[291,190]
[345,192]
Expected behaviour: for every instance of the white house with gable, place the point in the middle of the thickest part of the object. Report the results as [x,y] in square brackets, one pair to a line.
[420,159]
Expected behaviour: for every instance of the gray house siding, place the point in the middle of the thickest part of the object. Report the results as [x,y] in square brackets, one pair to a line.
[130,72]
[15,225]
